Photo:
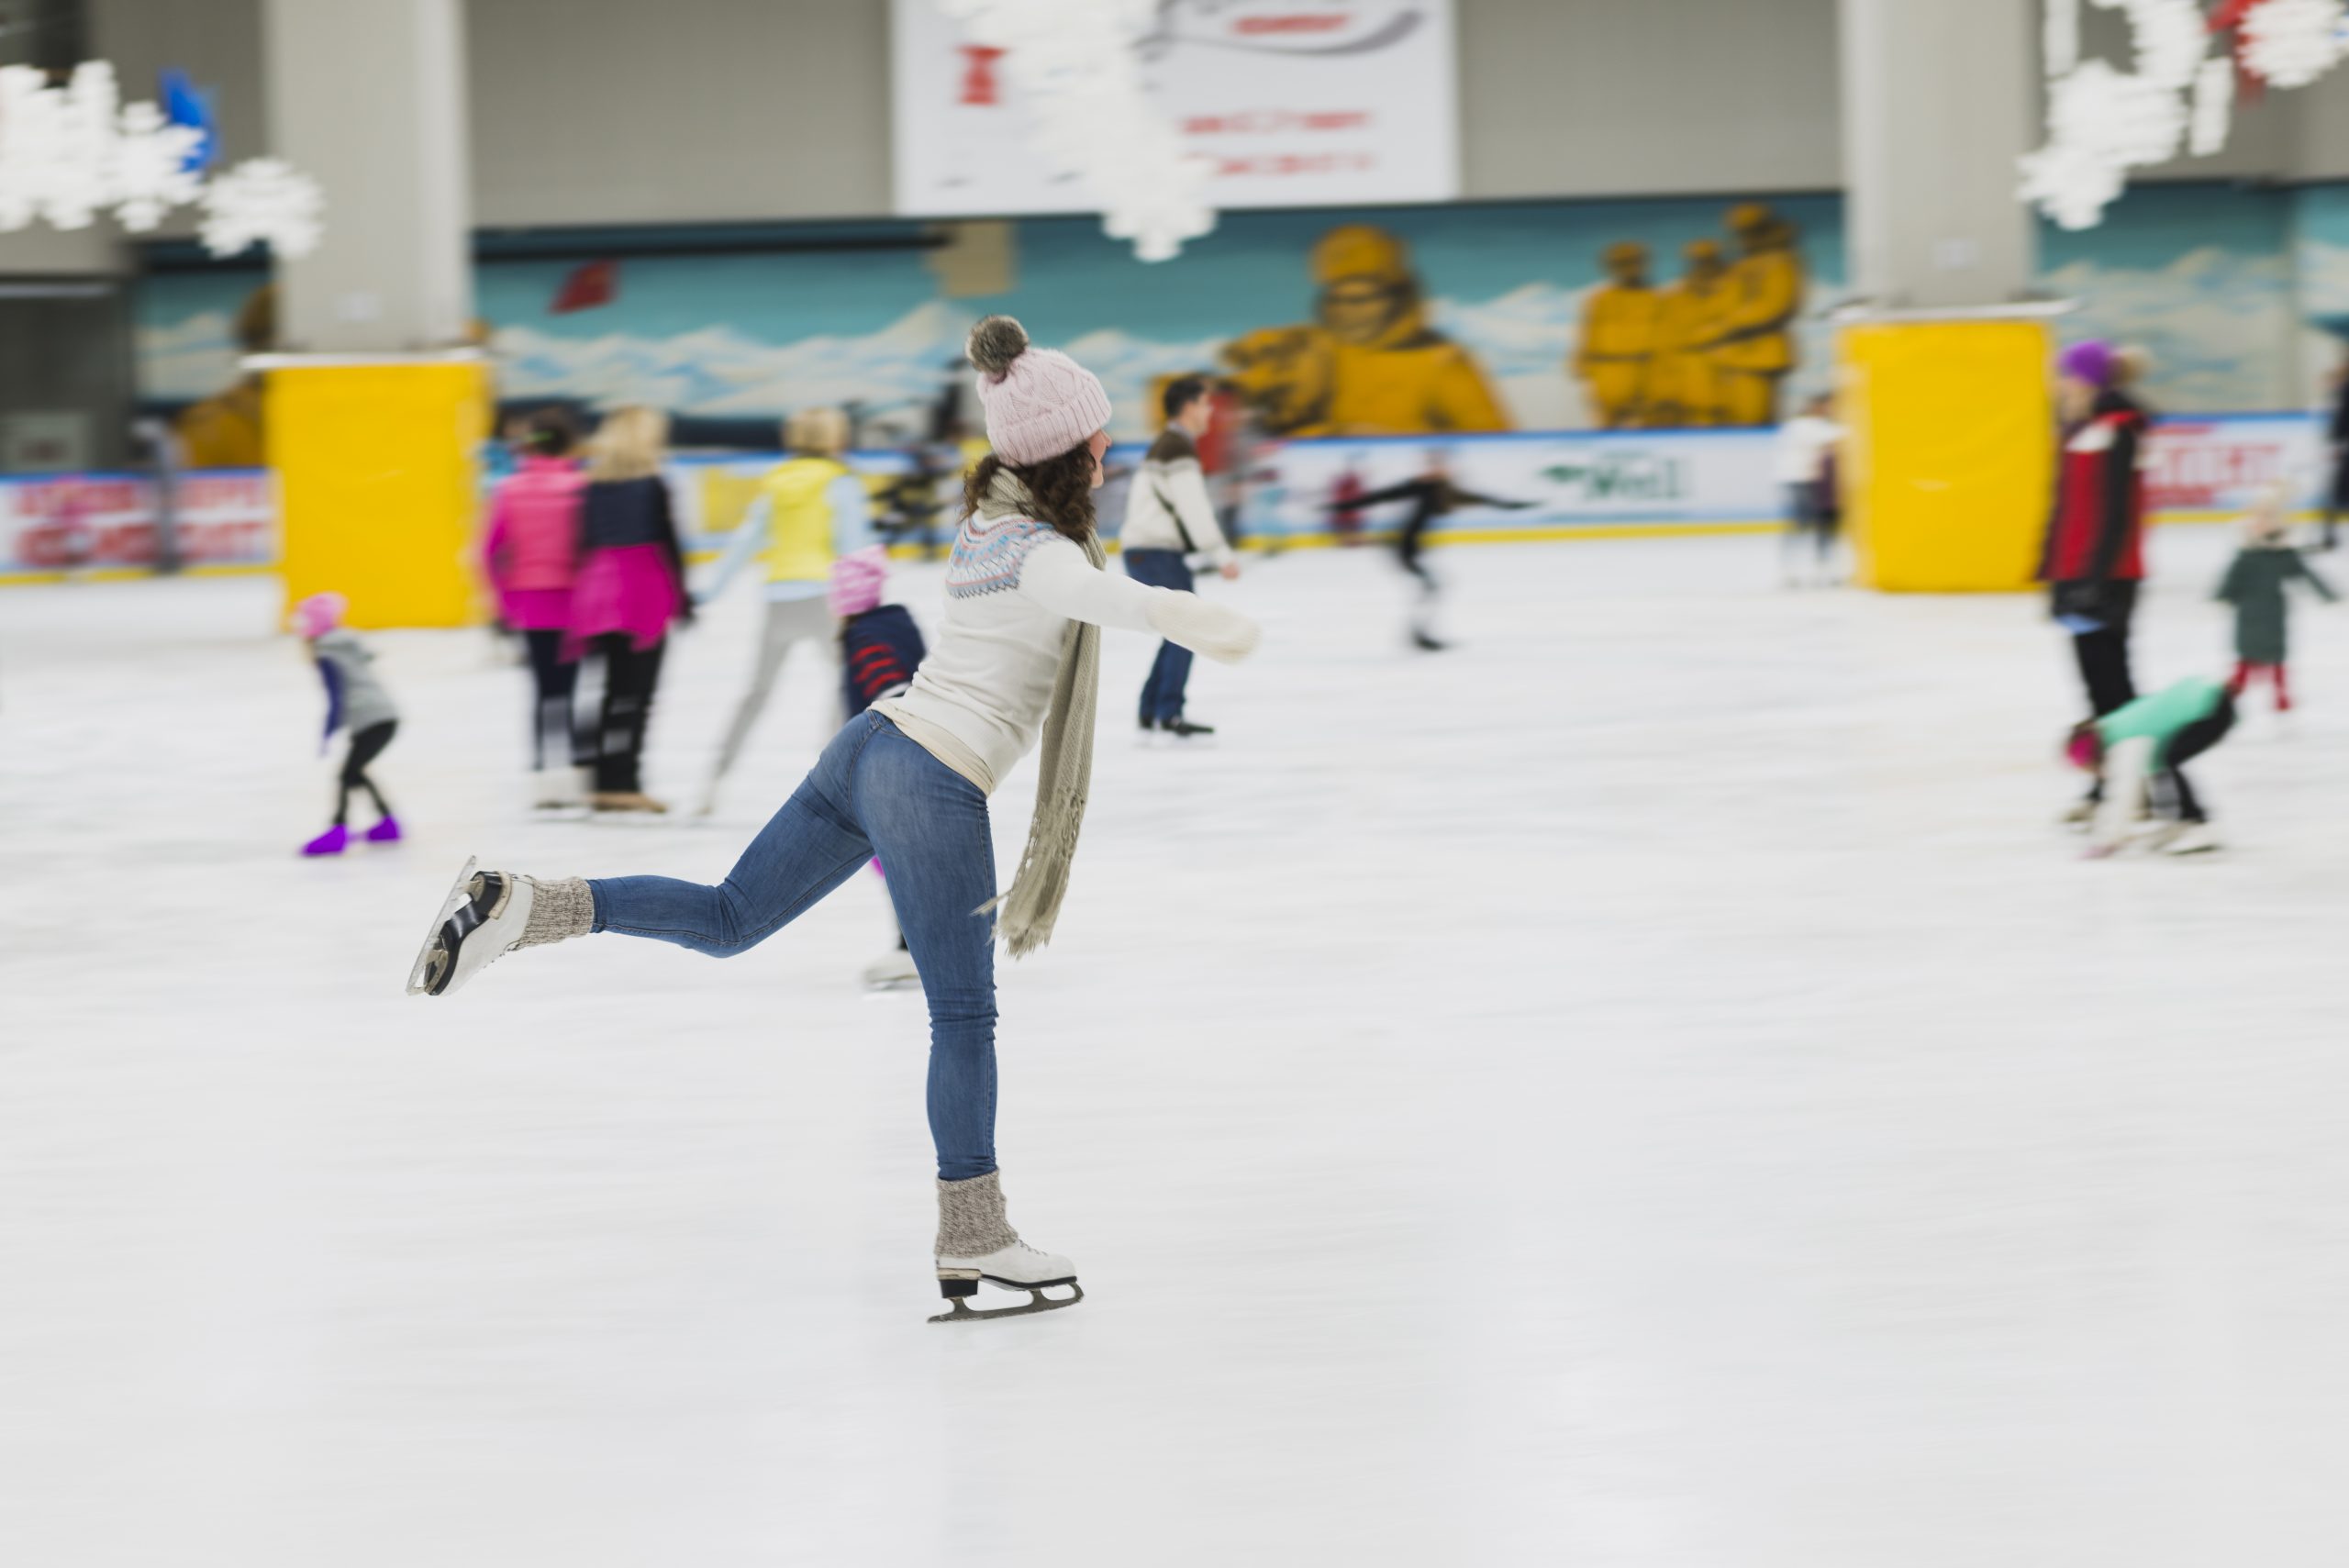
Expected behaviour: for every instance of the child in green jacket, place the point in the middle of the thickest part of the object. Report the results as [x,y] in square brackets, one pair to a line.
[2255,586]
[2137,750]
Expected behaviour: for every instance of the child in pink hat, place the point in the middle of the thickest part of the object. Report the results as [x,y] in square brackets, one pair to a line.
[356,702]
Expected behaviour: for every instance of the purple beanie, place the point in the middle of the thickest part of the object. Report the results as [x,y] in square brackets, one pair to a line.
[1039,401]
[320,614]
[858,578]
[2092,362]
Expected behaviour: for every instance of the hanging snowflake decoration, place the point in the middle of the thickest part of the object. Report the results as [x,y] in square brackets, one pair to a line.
[70,153]
[1075,70]
[2291,43]
[264,201]
[2102,122]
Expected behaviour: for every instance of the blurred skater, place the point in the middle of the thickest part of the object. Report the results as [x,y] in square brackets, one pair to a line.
[1169,519]
[881,648]
[2336,499]
[1433,496]
[2094,556]
[1804,459]
[629,590]
[531,553]
[356,703]
[2255,586]
[1345,506]
[810,508]
[2138,754]
[910,779]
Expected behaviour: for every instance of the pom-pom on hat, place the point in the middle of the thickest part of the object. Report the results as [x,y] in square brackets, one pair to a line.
[1040,403]
[320,614]
[857,581]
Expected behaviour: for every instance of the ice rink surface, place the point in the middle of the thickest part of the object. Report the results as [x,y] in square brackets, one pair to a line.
[1648,1088]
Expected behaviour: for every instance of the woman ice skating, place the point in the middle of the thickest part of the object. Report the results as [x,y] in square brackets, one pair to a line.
[2255,586]
[1018,652]
[1169,519]
[630,589]
[811,509]
[2138,752]
[2094,556]
[881,648]
[531,553]
[1433,496]
[357,703]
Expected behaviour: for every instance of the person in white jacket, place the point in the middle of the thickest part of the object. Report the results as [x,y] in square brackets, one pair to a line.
[1169,519]
[1016,657]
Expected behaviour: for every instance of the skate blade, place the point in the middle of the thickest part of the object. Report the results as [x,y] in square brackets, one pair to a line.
[1037,1301]
[457,897]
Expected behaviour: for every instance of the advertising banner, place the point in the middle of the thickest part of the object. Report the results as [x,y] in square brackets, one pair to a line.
[2205,466]
[106,522]
[1298,105]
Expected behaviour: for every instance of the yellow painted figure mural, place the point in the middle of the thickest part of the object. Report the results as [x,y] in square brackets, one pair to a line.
[1368,363]
[1619,339]
[1756,347]
[1684,386]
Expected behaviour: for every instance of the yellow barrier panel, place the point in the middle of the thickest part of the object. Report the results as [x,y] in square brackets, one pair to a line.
[1950,462]
[377,484]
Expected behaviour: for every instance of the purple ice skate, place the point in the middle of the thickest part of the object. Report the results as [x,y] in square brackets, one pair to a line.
[330,843]
[387,831]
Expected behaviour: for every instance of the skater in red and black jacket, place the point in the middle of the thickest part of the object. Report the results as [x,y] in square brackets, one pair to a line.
[2095,552]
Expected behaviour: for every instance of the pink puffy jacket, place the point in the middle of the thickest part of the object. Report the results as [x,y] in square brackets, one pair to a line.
[533,543]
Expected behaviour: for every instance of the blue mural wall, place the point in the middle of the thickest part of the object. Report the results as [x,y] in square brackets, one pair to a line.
[2217,281]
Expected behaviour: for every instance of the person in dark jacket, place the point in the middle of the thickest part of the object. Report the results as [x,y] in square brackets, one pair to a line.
[2255,586]
[2094,557]
[629,590]
[2336,435]
[1433,496]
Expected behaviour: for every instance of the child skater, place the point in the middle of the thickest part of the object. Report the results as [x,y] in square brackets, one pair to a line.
[2138,752]
[2255,586]
[880,650]
[1017,657]
[357,702]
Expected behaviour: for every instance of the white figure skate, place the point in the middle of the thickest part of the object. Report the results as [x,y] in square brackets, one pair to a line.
[1016,1267]
[480,921]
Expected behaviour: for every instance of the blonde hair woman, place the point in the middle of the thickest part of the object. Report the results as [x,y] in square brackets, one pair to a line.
[630,589]
[1018,652]
[811,511]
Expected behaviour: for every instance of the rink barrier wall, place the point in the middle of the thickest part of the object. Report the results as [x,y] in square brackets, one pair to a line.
[1585,485]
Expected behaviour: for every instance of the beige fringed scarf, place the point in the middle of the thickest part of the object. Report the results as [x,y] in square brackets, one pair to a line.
[1063,765]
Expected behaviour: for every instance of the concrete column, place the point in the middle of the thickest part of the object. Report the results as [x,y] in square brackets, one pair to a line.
[1939,98]
[368,96]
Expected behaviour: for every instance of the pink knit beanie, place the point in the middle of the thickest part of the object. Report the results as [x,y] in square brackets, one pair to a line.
[320,614]
[857,580]
[1039,401]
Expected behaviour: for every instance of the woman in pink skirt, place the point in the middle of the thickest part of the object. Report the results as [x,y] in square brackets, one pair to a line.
[630,589]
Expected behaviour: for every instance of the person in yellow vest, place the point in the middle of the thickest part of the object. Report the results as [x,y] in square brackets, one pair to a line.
[1369,364]
[810,510]
[1683,387]
[1619,322]
[1755,350]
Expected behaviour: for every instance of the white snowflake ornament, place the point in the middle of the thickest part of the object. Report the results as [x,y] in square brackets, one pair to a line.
[265,201]
[150,173]
[2291,43]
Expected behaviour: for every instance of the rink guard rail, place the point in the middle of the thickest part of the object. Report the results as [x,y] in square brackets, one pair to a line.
[1575,484]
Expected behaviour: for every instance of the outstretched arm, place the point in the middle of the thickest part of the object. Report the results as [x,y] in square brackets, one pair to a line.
[2324,589]
[748,534]
[1057,577]
[1403,492]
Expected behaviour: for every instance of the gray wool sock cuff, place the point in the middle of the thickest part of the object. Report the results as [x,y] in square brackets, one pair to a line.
[558,909]
[971,1222]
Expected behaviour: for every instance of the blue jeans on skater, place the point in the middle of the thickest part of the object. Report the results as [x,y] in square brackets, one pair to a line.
[1161,694]
[873,792]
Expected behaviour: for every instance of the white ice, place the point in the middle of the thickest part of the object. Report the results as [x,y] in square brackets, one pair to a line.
[1651,1086]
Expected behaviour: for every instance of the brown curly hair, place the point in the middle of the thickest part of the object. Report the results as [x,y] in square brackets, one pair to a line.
[1059,488]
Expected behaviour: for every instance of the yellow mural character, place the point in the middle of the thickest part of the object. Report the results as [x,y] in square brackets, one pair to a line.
[1619,323]
[1683,386]
[1756,347]
[225,430]
[1369,363]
